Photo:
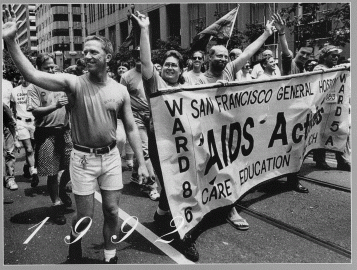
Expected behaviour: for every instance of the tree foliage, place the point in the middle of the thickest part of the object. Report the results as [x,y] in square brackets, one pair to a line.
[317,22]
[9,68]
[162,46]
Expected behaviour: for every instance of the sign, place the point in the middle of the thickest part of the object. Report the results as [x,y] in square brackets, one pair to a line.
[217,142]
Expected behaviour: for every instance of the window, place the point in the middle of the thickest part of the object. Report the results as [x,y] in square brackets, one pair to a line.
[60,17]
[76,17]
[102,32]
[77,32]
[58,5]
[78,47]
[110,8]
[60,32]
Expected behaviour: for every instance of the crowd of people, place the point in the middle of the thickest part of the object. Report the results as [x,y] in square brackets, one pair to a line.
[76,125]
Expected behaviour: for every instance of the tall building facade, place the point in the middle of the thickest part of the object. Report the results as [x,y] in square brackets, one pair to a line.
[187,20]
[61,29]
[27,29]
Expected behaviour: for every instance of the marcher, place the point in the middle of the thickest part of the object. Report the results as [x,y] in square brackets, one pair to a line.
[292,65]
[191,77]
[269,67]
[122,68]
[328,58]
[95,102]
[10,144]
[53,143]
[122,142]
[220,70]
[189,65]
[171,76]
[25,127]
[77,69]
[258,69]
[310,64]
[244,73]
[234,54]
[8,137]
[141,112]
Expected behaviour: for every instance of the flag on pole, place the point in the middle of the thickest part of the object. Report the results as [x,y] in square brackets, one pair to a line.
[220,30]
[134,36]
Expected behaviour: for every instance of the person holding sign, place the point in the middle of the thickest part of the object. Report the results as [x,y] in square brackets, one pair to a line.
[96,101]
[292,65]
[171,77]
[328,58]
[221,70]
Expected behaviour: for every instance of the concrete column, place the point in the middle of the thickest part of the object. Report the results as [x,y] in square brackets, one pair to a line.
[185,26]
[163,23]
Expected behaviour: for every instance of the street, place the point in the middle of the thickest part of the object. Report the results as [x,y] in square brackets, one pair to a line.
[285,226]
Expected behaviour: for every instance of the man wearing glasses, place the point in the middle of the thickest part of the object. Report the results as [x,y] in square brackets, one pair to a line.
[220,70]
[191,77]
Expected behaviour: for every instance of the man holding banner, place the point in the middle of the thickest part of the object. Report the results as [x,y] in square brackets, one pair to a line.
[292,65]
[328,57]
[221,70]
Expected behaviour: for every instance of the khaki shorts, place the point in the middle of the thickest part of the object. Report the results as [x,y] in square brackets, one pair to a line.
[89,170]
[25,130]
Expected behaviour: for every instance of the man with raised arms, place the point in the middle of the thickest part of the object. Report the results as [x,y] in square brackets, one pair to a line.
[96,101]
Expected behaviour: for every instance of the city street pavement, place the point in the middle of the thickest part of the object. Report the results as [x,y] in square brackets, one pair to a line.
[324,213]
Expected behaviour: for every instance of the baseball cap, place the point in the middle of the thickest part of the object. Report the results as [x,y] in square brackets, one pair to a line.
[327,49]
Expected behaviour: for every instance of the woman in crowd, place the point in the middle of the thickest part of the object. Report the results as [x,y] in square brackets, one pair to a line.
[171,76]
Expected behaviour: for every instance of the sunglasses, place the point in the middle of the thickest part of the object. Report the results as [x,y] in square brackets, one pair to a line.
[197,58]
[247,66]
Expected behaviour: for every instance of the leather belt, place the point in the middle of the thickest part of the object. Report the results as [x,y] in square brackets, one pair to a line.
[97,151]
[24,119]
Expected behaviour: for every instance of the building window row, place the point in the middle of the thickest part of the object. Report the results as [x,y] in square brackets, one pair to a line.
[122,6]
[110,8]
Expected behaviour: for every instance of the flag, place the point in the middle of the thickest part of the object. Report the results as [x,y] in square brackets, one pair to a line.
[220,30]
[128,41]
[134,36]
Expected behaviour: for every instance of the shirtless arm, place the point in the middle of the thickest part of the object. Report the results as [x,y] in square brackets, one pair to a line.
[133,136]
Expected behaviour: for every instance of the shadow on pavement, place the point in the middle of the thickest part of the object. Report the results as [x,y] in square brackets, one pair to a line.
[35,215]
[39,190]
[133,189]
[264,191]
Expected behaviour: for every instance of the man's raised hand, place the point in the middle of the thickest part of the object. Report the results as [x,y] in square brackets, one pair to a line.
[279,23]
[9,29]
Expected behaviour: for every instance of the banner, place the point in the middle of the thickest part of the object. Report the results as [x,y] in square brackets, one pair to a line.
[217,142]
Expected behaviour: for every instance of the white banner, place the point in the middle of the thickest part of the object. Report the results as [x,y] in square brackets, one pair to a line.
[217,142]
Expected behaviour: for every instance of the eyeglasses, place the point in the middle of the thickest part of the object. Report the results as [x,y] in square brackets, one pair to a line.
[197,58]
[246,66]
[335,55]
